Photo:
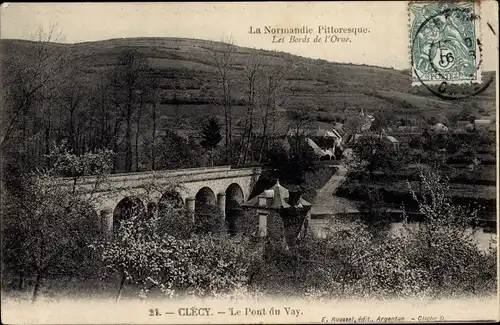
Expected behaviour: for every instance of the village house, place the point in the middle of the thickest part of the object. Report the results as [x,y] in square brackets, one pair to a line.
[351,138]
[438,128]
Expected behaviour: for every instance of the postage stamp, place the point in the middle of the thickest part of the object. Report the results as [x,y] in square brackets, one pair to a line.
[445,45]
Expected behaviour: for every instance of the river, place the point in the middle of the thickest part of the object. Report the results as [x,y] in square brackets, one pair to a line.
[319,229]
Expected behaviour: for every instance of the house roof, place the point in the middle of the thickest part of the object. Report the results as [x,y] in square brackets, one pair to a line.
[392,139]
[317,150]
[328,152]
[333,134]
[276,198]
[439,127]
[350,137]
[316,132]
[407,127]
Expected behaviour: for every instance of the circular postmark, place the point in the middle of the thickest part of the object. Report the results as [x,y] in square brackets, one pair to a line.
[446,54]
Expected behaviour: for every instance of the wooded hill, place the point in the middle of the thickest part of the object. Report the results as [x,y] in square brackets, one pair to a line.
[55,91]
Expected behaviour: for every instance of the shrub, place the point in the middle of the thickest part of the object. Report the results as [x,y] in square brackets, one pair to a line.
[201,265]
[436,257]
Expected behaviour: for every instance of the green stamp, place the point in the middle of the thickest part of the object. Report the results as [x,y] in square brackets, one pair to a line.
[444,43]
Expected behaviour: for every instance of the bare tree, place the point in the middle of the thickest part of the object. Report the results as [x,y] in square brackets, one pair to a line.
[301,119]
[30,77]
[223,59]
[273,86]
[127,80]
[138,120]
[72,96]
[252,69]
[100,103]
[154,93]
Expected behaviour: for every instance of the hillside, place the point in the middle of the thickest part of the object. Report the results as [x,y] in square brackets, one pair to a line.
[186,68]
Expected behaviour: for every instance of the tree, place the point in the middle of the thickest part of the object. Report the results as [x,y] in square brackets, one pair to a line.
[66,164]
[355,124]
[150,252]
[290,166]
[252,68]
[104,114]
[377,154]
[416,142]
[223,59]
[383,120]
[72,95]
[154,93]
[211,135]
[31,76]
[302,119]
[443,246]
[127,84]
[178,152]
[466,114]
[271,92]
[47,229]
[138,119]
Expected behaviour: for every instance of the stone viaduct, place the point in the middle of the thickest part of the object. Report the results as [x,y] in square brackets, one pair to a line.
[215,186]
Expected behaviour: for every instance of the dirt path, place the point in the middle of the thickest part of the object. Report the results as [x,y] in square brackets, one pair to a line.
[326,202]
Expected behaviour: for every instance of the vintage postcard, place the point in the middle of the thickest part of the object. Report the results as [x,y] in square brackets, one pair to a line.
[249,162]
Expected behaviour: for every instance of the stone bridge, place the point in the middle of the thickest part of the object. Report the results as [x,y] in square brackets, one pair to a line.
[215,186]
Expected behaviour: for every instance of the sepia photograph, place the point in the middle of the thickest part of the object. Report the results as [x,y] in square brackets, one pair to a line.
[249,162]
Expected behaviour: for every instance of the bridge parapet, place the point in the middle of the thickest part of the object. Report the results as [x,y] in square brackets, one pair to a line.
[148,174]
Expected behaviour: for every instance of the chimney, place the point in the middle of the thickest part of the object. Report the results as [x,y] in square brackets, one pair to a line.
[294,198]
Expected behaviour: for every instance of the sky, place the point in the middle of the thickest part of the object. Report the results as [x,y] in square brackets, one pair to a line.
[385,41]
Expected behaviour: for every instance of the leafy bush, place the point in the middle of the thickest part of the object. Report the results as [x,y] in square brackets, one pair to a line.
[207,220]
[202,265]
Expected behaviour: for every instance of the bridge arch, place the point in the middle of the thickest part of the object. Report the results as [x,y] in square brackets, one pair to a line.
[234,198]
[127,207]
[234,195]
[206,211]
[205,196]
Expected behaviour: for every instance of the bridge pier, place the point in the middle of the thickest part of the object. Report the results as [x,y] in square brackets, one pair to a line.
[190,206]
[107,221]
[221,205]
